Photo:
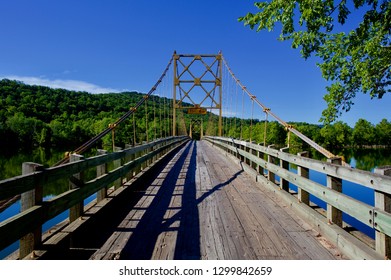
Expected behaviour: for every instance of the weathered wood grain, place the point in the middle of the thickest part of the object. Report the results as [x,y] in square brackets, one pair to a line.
[15,227]
[204,207]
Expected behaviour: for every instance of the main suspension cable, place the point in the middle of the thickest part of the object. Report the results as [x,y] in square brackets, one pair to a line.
[132,110]
[286,125]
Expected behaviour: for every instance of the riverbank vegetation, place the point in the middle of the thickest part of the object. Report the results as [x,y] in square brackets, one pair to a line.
[41,116]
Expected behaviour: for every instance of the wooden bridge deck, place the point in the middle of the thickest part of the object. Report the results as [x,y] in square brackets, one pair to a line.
[203,206]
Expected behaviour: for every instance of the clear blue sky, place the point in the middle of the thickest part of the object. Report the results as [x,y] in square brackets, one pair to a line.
[117,45]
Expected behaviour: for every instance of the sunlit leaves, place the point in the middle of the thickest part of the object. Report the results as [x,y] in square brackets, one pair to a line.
[357,60]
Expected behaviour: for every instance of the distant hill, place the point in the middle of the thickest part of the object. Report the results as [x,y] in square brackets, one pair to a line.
[38,115]
[42,116]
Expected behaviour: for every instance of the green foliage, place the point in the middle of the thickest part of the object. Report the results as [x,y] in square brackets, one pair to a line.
[383,133]
[31,116]
[334,137]
[364,133]
[42,116]
[355,61]
[337,135]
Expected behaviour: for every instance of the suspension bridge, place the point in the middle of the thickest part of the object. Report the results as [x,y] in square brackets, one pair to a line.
[203,183]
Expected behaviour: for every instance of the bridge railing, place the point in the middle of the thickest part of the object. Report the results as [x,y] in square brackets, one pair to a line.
[26,226]
[266,163]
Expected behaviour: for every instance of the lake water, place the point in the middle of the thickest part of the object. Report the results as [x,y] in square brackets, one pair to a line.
[11,165]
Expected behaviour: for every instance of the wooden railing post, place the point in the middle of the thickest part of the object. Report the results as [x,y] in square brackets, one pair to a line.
[32,240]
[76,182]
[101,170]
[138,167]
[260,168]
[130,174]
[143,153]
[304,172]
[117,163]
[334,215]
[254,165]
[383,202]
[150,150]
[234,152]
[248,150]
[284,184]
[270,175]
[230,143]
[242,147]
[154,147]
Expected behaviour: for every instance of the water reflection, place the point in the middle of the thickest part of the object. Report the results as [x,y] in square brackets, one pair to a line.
[364,159]
[11,164]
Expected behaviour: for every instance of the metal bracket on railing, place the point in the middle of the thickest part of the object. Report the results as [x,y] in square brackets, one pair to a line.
[373,218]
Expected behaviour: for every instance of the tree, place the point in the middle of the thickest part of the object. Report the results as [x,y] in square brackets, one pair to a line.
[276,134]
[337,135]
[363,133]
[28,130]
[358,60]
[383,132]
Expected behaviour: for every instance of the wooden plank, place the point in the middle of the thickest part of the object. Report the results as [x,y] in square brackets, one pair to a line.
[221,236]
[263,223]
[314,250]
[19,225]
[146,213]
[353,207]
[212,247]
[283,246]
[346,243]
[22,223]
[242,243]
[166,241]
[233,219]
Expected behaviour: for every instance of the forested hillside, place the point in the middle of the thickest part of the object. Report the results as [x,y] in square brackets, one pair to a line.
[42,116]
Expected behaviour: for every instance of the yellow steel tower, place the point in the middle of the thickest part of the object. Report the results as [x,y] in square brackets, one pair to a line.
[197,81]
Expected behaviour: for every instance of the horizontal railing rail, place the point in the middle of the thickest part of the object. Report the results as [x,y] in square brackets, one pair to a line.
[33,216]
[23,183]
[263,160]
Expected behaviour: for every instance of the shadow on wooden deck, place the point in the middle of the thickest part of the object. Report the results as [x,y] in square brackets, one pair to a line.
[184,222]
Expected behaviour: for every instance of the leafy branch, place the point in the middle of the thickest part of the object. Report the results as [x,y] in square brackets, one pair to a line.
[355,61]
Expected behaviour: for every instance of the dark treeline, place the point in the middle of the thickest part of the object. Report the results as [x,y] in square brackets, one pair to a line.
[42,116]
[340,135]
[333,136]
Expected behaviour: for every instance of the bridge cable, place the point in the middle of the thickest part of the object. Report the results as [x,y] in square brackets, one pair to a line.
[134,131]
[164,117]
[252,117]
[236,109]
[154,118]
[160,118]
[146,119]
[93,140]
[286,125]
[265,127]
[242,118]
[113,139]
[232,119]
